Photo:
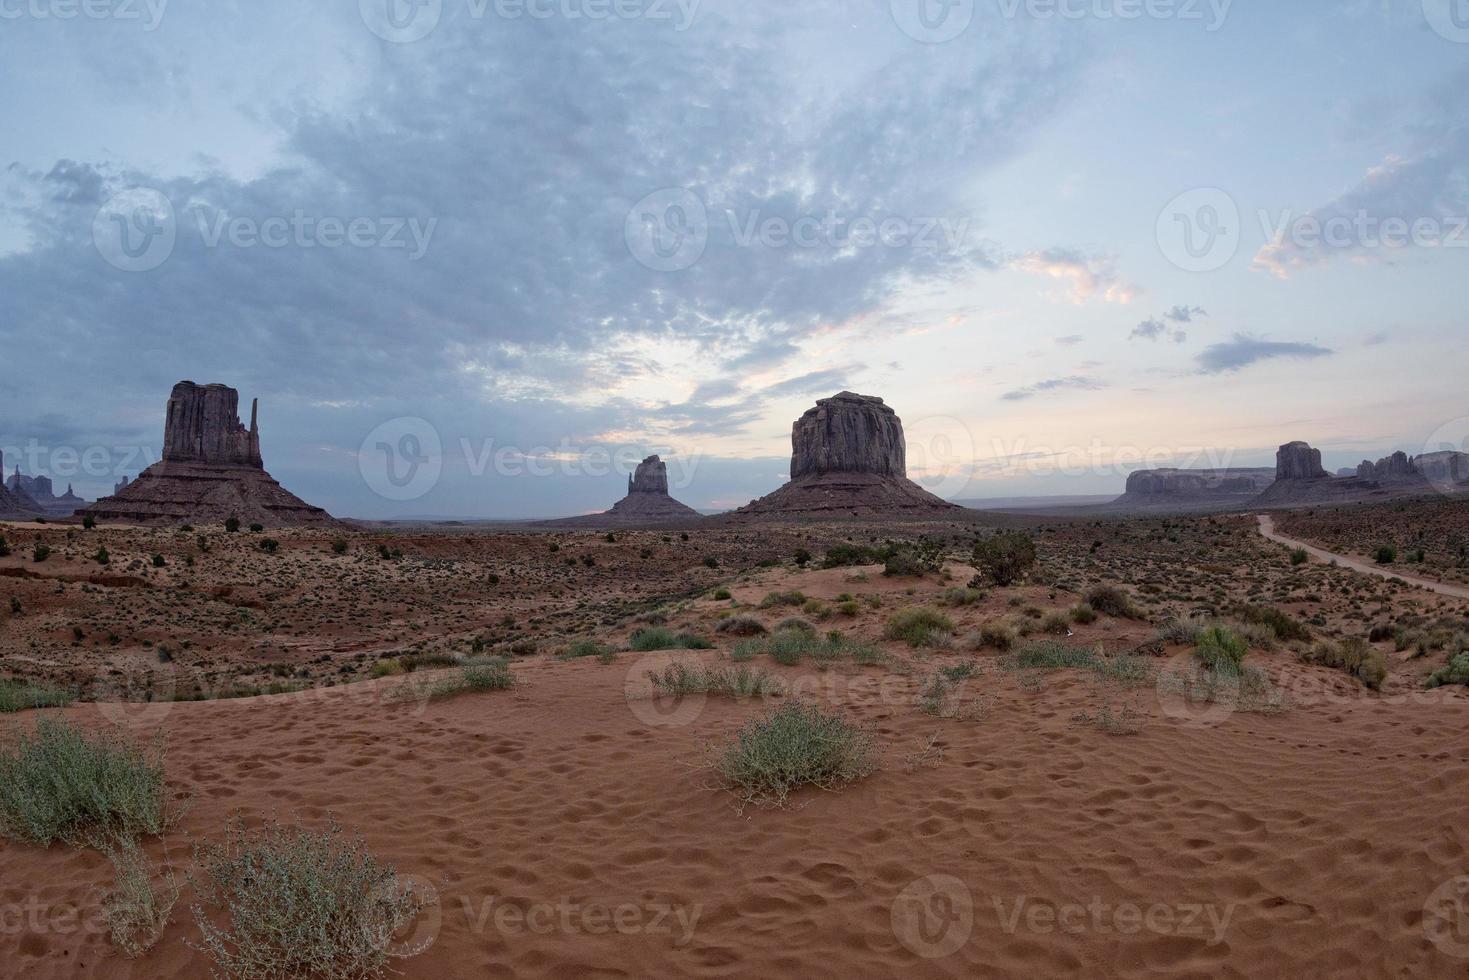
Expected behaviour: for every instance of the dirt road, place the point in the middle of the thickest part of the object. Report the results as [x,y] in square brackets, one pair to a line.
[1267,528]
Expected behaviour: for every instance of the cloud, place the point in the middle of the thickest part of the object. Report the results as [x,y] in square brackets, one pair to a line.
[1088,276]
[1416,198]
[1074,383]
[1155,329]
[526,144]
[1185,314]
[1244,350]
[1070,341]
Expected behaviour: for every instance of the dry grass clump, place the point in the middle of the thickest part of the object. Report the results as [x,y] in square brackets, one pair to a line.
[788,647]
[136,911]
[733,682]
[1354,656]
[477,676]
[1112,601]
[651,638]
[1220,648]
[58,783]
[792,598]
[285,901]
[1247,689]
[579,649]
[999,635]
[919,626]
[793,746]
[1051,655]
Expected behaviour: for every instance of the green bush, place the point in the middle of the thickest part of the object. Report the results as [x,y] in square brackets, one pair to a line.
[1354,657]
[792,598]
[793,746]
[722,595]
[661,638]
[1299,556]
[1285,628]
[960,597]
[494,675]
[1457,672]
[4,547]
[232,524]
[1220,648]
[844,555]
[802,557]
[584,648]
[1386,555]
[40,553]
[1005,558]
[89,522]
[1083,614]
[922,557]
[299,903]
[339,546]
[789,647]
[917,625]
[999,635]
[59,783]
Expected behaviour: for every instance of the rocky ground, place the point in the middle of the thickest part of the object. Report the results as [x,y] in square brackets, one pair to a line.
[1436,526]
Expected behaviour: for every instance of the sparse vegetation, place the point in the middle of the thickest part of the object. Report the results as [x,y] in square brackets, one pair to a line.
[1220,648]
[740,626]
[1456,672]
[918,626]
[661,638]
[1352,656]
[59,783]
[793,746]
[1112,601]
[297,902]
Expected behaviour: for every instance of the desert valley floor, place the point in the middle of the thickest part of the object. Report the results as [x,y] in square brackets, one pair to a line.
[1055,796]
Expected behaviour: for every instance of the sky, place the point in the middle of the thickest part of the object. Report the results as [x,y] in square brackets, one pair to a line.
[478,257]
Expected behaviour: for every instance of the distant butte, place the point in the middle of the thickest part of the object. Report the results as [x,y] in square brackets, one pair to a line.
[848,460]
[647,502]
[211,470]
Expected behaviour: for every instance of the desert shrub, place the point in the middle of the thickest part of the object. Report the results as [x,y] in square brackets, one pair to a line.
[14,606]
[1457,672]
[1005,558]
[773,599]
[1125,668]
[1220,648]
[999,635]
[4,547]
[1282,624]
[1385,555]
[802,557]
[60,783]
[1112,601]
[1248,689]
[89,522]
[159,561]
[299,903]
[269,545]
[136,912]
[843,555]
[922,557]
[960,597]
[1384,631]
[722,595]
[40,553]
[789,647]
[1299,556]
[1051,655]
[18,695]
[494,675]
[339,546]
[256,528]
[524,647]
[795,745]
[578,649]
[1083,614]
[1056,623]
[232,524]
[427,661]
[740,626]
[1354,657]
[917,625]
[387,667]
[662,638]
[797,624]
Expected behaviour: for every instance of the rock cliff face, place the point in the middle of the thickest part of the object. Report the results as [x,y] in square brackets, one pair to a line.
[1395,467]
[13,504]
[211,471]
[203,426]
[1298,461]
[848,460]
[1445,470]
[1174,489]
[36,494]
[849,433]
[651,476]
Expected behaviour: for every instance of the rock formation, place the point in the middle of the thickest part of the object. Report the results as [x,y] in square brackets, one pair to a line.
[848,459]
[1298,461]
[1395,467]
[15,504]
[36,495]
[647,502]
[1174,489]
[211,471]
[1446,471]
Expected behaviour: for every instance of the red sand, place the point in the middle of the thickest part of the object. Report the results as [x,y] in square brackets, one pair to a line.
[1320,833]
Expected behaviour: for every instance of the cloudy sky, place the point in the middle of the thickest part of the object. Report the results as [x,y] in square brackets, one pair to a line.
[473,256]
